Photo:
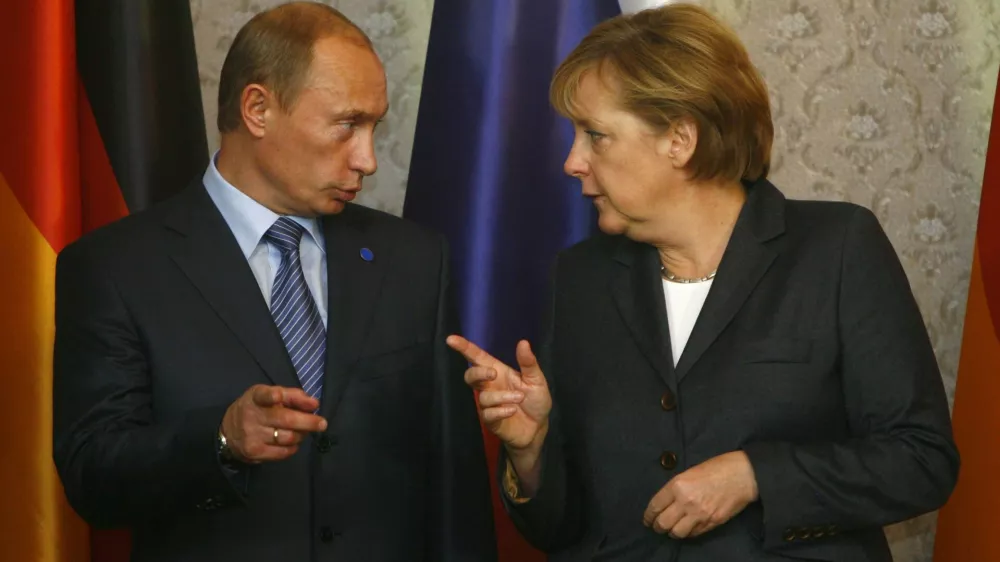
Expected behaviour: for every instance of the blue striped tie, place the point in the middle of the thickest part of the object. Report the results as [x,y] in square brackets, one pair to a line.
[294,309]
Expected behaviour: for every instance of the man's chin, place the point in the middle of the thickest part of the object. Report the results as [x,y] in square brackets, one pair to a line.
[329,207]
[334,207]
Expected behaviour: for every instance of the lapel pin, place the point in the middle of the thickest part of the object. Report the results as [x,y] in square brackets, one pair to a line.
[367,254]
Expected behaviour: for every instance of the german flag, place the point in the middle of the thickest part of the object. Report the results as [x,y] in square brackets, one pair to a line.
[967,526]
[100,114]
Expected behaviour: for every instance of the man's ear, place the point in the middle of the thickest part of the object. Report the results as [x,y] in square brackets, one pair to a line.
[257,104]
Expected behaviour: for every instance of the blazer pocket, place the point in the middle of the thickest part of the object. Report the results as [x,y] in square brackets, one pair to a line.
[391,362]
[777,350]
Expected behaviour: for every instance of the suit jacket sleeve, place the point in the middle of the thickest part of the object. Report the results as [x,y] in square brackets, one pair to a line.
[901,460]
[461,524]
[553,518]
[118,465]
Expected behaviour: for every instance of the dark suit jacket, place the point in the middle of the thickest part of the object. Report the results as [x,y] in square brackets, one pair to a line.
[161,325]
[810,355]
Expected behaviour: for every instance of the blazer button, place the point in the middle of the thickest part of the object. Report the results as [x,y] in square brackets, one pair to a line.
[667,401]
[789,535]
[325,534]
[324,443]
[804,534]
[668,460]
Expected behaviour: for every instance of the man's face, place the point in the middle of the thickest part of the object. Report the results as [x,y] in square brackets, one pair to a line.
[316,154]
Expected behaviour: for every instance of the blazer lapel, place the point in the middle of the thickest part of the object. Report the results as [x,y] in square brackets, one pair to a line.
[353,286]
[208,254]
[744,262]
[638,293]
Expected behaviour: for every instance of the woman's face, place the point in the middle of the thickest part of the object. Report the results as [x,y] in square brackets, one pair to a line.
[632,172]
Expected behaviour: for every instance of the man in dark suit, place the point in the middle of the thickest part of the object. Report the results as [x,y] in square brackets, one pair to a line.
[256,369]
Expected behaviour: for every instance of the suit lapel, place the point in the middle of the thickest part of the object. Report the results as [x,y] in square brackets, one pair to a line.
[353,285]
[208,254]
[746,259]
[638,293]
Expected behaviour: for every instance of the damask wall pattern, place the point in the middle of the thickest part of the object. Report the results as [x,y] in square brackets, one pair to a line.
[885,103]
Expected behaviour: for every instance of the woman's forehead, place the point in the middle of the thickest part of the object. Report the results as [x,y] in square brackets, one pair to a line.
[596,93]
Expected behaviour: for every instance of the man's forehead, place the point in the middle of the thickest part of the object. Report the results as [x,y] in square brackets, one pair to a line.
[331,67]
[344,50]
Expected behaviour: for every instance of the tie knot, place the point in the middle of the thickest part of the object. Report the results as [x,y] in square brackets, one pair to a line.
[285,234]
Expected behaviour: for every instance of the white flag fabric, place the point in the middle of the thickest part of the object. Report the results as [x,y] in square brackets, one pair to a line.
[630,6]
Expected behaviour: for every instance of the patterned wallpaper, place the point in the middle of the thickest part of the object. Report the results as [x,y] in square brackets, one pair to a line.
[886,103]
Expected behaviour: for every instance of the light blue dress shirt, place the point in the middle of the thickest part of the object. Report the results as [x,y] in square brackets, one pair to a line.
[249,221]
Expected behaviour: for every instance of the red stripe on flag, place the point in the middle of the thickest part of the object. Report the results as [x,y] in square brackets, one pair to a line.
[38,115]
[102,200]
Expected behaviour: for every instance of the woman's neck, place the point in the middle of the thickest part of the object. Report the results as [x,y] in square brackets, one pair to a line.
[693,242]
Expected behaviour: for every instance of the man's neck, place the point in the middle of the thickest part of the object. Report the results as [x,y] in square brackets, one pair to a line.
[234,163]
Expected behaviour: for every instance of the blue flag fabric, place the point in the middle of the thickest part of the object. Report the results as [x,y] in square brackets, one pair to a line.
[487,166]
[487,159]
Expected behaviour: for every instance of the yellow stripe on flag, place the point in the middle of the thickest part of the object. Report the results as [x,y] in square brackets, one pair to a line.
[36,523]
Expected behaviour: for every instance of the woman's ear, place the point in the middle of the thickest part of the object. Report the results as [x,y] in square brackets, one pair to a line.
[679,142]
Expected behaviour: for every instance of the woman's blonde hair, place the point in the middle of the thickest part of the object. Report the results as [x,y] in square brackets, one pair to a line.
[676,62]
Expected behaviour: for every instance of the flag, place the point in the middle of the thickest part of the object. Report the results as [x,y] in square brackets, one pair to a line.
[967,525]
[100,114]
[486,169]
[137,61]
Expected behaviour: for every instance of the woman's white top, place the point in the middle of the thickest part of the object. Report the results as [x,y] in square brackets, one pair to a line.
[684,302]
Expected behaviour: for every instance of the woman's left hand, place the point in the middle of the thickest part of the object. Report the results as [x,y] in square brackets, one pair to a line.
[703,497]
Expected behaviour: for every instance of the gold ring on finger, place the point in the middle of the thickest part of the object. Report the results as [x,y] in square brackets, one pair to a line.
[275,436]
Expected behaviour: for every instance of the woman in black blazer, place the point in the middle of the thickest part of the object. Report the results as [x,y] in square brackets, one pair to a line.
[728,375]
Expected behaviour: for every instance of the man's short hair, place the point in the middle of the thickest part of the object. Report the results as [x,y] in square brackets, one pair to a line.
[275,49]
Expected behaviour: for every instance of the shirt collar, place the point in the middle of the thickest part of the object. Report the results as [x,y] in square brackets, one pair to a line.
[248,219]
